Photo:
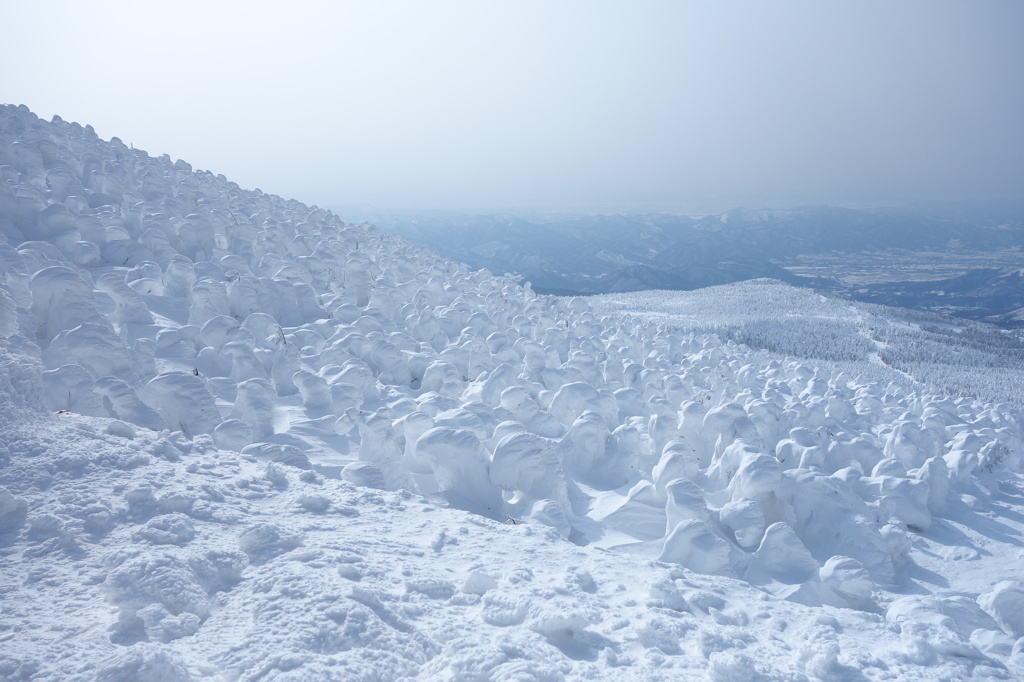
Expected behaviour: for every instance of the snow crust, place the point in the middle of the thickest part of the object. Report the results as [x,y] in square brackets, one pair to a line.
[287,447]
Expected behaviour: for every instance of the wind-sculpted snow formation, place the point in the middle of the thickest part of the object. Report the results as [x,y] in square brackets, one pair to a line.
[271,391]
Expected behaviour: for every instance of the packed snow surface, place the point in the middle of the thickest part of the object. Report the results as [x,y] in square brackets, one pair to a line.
[242,439]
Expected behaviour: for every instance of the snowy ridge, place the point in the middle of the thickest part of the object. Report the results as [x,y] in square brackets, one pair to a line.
[270,424]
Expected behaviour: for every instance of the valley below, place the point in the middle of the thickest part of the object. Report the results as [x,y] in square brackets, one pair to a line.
[961,260]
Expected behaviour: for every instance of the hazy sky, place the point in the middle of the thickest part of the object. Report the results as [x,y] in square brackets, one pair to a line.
[545,104]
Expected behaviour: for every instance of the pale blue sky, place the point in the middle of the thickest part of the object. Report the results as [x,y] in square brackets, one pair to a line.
[546,104]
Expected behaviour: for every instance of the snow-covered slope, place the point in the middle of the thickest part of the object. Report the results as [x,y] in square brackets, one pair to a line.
[242,439]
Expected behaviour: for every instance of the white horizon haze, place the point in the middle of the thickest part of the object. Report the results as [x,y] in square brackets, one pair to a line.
[487,105]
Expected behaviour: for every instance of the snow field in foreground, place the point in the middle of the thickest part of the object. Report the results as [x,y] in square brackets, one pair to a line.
[155,557]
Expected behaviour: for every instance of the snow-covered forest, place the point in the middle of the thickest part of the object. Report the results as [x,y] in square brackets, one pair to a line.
[243,439]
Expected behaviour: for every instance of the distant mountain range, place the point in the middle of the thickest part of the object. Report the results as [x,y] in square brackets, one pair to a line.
[963,260]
